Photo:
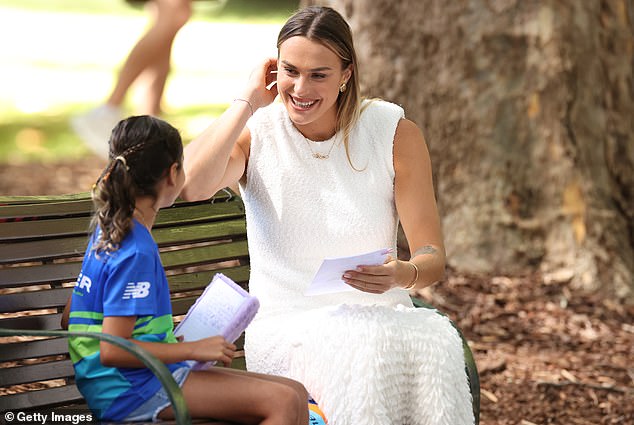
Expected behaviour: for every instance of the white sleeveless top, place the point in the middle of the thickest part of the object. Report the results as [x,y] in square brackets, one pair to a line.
[302,209]
[367,359]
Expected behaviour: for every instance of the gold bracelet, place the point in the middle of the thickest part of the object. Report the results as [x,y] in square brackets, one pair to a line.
[413,282]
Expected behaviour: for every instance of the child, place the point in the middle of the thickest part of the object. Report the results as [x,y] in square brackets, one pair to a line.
[122,290]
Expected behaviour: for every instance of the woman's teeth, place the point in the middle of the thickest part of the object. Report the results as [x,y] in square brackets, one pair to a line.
[303,104]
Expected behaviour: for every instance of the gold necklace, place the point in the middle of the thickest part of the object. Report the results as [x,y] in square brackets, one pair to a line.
[318,155]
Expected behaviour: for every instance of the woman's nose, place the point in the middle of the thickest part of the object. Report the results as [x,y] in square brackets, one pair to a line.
[301,85]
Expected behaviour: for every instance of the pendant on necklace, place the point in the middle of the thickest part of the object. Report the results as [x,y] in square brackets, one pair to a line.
[317,155]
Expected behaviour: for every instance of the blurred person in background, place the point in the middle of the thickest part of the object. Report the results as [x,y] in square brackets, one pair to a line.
[148,60]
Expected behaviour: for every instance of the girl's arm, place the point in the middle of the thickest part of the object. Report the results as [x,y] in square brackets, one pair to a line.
[217,157]
[209,349]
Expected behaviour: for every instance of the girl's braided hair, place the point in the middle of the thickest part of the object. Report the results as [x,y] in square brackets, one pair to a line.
[142,149]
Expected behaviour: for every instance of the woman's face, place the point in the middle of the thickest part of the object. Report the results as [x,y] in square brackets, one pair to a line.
[308,80]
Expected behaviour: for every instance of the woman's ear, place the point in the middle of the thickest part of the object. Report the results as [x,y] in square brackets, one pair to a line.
[347,73]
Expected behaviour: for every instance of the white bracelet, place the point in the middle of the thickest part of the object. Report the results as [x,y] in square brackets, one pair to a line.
[247,102]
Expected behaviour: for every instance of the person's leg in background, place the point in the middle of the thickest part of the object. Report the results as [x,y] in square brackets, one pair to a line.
[149,59]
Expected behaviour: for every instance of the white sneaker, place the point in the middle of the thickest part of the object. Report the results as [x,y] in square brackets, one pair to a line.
[94,127]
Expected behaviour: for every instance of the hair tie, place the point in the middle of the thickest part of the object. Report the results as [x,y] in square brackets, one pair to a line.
[123,161]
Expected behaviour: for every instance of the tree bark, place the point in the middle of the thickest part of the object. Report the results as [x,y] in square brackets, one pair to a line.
[527,107]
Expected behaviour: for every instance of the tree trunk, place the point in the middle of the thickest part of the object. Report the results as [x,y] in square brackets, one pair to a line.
[527,107]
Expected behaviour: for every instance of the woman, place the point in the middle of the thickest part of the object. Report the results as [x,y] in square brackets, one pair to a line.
[325,174]
[122,290]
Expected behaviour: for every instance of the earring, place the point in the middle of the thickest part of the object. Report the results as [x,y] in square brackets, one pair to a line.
[342,87]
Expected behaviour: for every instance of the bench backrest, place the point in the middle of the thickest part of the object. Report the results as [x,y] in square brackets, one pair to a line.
[42,242]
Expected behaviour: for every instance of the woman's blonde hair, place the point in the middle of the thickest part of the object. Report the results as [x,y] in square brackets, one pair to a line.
[326,26]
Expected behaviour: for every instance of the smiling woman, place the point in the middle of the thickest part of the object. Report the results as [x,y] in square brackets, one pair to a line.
[324,173]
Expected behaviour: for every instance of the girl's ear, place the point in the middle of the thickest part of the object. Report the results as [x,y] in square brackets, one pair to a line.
[172,176]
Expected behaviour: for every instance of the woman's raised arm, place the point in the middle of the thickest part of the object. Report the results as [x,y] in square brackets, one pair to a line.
[217,157]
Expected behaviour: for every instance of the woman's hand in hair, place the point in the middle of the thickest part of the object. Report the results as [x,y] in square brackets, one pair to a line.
[261,89]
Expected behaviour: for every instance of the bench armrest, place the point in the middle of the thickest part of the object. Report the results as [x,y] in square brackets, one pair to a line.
[470,365]
[159,369]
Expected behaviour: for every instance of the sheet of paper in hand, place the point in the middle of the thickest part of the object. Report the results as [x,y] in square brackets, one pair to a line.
[224,308]
[328,278]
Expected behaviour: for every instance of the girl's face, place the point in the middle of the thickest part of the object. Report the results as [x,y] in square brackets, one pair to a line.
[308,80]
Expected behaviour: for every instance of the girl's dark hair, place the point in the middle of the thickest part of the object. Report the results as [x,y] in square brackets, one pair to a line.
[142,149]
[326,26]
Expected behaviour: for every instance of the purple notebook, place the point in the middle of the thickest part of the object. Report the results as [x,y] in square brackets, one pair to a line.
[224,308]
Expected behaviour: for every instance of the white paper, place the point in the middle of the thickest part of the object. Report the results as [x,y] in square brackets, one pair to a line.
[328,278]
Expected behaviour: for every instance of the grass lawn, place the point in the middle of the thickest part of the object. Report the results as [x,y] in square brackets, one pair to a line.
[61,57]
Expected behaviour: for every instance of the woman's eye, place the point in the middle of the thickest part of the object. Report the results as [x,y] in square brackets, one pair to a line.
[319,76]
[290,71]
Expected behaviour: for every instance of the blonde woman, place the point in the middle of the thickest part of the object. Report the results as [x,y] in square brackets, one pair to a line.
[324,173]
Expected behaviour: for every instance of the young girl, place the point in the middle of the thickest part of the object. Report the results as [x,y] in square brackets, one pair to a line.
[122,290]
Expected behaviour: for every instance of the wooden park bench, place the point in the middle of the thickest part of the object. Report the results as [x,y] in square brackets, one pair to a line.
[42,242]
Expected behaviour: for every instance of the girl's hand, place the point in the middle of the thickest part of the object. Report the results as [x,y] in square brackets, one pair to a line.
[260,89]
[214,348]
[379,279]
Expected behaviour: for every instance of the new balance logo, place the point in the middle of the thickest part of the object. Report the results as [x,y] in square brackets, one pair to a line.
[136,290]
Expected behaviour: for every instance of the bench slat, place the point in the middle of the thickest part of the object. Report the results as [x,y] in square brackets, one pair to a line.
[205,254]
[37,372]
[184,234]
[34,300]
[67,272]
[46,210]
[42,250]
[75,226]
[199,280]
[33,349]
[37,199]
[16,207]
[66,247]
[44,229]
[50,397]
[41,321]
[34,275]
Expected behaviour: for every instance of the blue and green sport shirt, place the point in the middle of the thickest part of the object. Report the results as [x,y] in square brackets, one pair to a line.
[128,282]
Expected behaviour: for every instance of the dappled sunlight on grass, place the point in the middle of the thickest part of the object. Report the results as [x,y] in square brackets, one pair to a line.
[47,136]
[38,137]
[71,62]
[255,11]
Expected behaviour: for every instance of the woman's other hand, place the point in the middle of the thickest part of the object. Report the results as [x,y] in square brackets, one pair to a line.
[379,279]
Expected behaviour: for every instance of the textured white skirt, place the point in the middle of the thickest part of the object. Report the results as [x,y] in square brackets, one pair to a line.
[368,365]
